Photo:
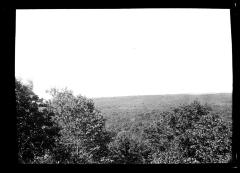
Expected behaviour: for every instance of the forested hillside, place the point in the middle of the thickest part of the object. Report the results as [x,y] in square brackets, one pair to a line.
[70,129]
[159,102]
[126,109]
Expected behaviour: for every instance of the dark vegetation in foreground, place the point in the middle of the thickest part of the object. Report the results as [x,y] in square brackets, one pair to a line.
[70,129]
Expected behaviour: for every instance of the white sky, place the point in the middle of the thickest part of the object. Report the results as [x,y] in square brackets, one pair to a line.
[119,52]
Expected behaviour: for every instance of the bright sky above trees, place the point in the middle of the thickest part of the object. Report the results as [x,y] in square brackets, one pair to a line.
[118,52]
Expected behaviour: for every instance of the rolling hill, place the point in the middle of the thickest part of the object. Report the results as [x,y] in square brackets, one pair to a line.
[158,102]
[127,108]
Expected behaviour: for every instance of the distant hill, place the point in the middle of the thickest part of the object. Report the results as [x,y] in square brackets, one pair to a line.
[159,101]
[122,112]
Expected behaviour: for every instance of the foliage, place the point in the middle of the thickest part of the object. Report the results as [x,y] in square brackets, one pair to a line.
[168,156]
[127,150]
[36,132]
[82,126]
[202,137]
[131,106]
[69,129]
[159,136]
[188,134]
[209,141]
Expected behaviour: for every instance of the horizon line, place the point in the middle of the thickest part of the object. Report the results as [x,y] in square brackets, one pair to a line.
[207,93]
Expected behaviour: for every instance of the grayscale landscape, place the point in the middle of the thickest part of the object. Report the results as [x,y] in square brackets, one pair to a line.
[123,86]
[130,108]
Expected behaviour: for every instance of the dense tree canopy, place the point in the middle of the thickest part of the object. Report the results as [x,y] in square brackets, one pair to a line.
[36,132]
[69,129]
[200,136]
[82,126]
[128,150]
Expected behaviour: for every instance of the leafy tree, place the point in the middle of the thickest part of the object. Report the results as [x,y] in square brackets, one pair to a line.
[209,141]
[184,117]
[127,150]
[203,137]
[36,132]
[82,126]
[190,134]
[159,136]
[172,155]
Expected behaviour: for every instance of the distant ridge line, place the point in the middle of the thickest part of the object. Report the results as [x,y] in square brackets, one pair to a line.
[182,94]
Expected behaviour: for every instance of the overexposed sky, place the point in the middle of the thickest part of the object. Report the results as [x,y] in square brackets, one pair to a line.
[119,52]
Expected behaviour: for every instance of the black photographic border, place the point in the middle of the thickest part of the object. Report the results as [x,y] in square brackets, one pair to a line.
[8,12]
